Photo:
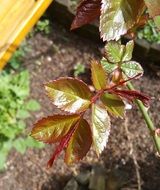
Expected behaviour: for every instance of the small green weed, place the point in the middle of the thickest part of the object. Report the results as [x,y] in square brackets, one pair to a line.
[14,109]
[149,33]
[79,69]
[16,60]
[43,26]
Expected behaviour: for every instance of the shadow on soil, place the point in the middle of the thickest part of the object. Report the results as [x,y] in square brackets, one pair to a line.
[117,176]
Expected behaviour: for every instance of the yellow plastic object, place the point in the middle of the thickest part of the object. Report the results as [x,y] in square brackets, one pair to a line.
[17,17]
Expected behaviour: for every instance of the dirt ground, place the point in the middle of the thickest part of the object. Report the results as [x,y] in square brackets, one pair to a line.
[130,155]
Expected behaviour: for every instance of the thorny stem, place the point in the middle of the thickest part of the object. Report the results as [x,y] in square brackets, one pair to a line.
[148,120]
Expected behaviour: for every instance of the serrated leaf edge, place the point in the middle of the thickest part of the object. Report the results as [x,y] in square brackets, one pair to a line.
[70,78]
[51,116]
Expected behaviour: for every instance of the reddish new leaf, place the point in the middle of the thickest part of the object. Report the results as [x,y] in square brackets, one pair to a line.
[63,144]
[79,143]
[87,11]
[132,95]
[69,94]
[52,129]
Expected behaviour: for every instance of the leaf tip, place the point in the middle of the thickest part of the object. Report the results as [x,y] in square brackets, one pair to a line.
[73,26]
[50,163]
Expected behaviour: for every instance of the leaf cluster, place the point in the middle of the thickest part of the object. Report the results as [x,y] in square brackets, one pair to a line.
[73,133]
[14,90]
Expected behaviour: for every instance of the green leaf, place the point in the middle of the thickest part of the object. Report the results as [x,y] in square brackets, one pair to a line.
[10,132]
[117,17]
[20,84]
[114,51]
[100,127]
[33,105]
[20,145]
[32,143]
[109,67]
[21,125]
[79,143]
[131,69]
[79,69]
[3,158]
[23,114]
[53,128]
[114,104]
[6,147]
[69,94]
[128,51]
[98,75]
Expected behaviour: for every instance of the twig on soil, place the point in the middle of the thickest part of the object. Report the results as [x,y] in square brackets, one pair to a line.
[130,142]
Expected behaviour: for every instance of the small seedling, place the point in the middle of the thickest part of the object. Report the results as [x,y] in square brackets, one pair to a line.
[79,69]
[16,60]
[150,33]
[43,26]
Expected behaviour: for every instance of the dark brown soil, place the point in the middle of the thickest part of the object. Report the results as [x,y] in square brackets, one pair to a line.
[55,56]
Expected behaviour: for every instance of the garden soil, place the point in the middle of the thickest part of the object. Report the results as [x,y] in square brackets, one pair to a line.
[130,157]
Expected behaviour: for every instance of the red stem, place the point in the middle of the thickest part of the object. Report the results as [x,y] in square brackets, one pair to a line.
[97,96]
[100,92]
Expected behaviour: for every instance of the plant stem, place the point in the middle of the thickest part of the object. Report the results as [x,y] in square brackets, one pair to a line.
[148,120]
[97,96]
